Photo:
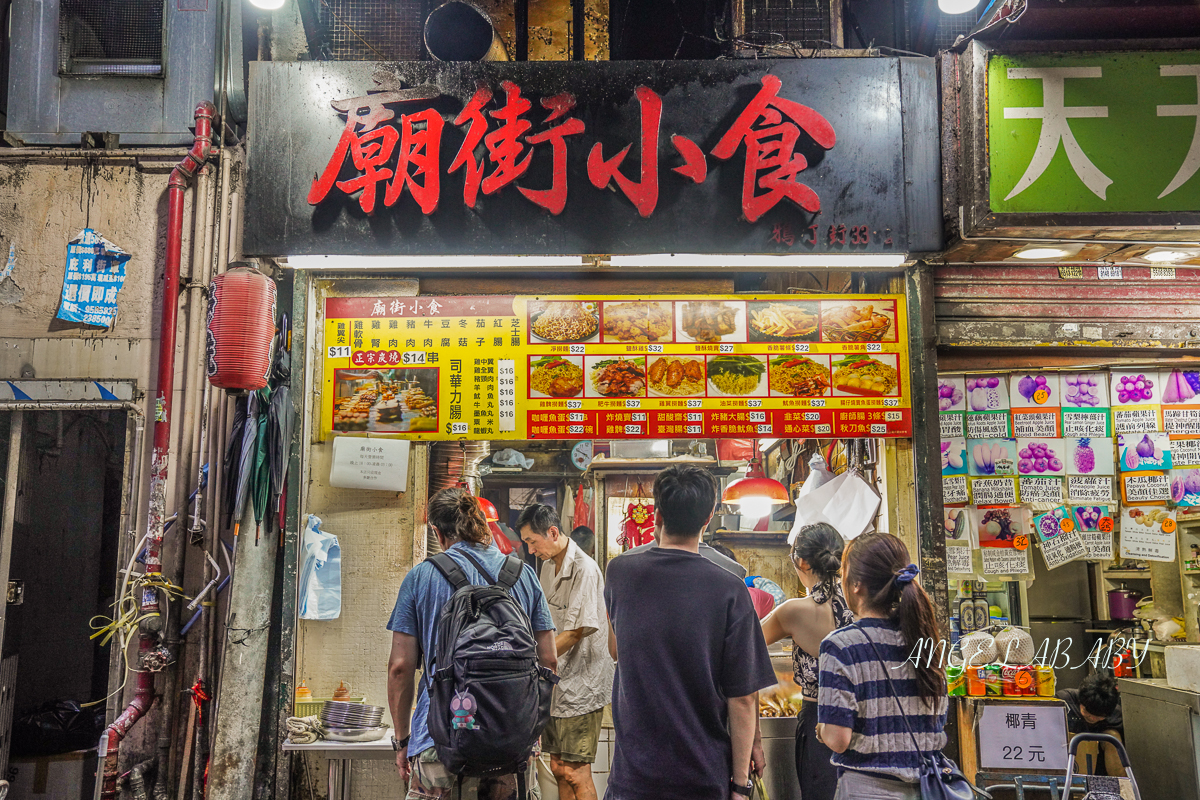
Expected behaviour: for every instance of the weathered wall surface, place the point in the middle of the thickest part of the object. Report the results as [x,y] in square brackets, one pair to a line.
[375,530]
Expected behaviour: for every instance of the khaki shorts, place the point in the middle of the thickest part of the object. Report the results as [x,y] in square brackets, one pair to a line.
[431,781]
[573,739]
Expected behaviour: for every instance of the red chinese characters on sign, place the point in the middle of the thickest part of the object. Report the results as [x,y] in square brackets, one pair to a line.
[772,162]
[498,152]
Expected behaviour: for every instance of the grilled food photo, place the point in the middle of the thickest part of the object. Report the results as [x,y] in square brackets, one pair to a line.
[636,322]
[799,376]
[864,376]
[565,322]
[782,321]
[708,321]
[556,377]
[677,377]
[620,377]
[851,323]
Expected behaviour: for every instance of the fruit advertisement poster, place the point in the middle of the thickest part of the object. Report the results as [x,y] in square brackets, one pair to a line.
[1095,526]
[586,367]
[1135,398]
[1059,537]
[952,405]
[1035,399]
[1085,409]
[1003,538]
[1181,402]
[1148,532]
[987,404]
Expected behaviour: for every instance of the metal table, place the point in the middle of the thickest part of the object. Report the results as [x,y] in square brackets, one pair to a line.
[340,754]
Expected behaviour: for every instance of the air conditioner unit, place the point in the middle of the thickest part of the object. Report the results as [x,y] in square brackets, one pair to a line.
[134,68]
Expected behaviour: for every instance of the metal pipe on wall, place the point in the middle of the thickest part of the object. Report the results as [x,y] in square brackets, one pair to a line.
[144,689]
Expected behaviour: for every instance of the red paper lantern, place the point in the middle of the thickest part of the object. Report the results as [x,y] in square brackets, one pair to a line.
[241,329]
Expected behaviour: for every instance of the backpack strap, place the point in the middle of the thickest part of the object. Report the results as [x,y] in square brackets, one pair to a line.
[510,573]
[450,570]
[487,576]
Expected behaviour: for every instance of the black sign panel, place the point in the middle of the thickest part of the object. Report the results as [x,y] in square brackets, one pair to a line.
[423,158]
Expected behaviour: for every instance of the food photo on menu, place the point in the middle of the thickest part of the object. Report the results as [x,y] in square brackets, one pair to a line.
[783,321]
[563,321]
[796,375]
[676,376]
[637,322]
[737,375]
[711,321]
[614,376]
[868,376]
[555,376]
[386,400]
[843,321]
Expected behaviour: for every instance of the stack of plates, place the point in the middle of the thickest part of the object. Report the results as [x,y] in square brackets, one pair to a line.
[352,722]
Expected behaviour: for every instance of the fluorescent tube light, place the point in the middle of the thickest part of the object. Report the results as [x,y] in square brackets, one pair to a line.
[373,263]
[761,261]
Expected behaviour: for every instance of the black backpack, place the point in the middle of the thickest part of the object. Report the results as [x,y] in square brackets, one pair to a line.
[489,698]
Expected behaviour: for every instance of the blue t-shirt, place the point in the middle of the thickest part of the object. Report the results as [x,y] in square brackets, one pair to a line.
[423,593]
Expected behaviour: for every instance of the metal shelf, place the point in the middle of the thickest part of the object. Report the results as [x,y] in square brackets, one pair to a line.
[1126,574]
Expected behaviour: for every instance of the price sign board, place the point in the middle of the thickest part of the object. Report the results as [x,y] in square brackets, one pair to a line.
[583,367]
[1023,738]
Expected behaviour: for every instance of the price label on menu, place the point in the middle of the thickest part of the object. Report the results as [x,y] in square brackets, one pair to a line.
[1023,738]
[1084,424]
[1181,422]
[951,425]
[1089,488]
[1041,490]
[994,491]
[987,425]
[954,489]
[1035,425]
[506,372]
[1135,420]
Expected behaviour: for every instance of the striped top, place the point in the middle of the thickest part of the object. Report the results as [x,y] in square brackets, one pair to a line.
[854,694]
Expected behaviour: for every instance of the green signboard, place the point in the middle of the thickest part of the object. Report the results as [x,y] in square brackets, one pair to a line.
[1094,132]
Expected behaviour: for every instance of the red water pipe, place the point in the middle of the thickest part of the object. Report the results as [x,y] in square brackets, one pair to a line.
[143,694]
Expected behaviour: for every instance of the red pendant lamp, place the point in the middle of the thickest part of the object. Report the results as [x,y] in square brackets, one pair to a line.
[755,495]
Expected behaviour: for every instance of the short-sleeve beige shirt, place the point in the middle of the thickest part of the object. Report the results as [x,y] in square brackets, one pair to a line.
[576,599]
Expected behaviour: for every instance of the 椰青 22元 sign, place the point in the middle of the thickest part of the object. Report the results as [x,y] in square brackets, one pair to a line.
[787,156]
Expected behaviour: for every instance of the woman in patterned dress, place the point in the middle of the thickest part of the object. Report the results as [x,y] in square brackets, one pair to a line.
[817,558]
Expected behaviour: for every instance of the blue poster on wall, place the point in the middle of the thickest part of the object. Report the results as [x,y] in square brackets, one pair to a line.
[95,274]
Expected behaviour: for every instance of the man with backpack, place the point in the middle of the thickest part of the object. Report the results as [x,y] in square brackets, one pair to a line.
[475,622]
[691,659]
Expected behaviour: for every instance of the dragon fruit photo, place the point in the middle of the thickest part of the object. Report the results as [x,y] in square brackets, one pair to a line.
[1089,456]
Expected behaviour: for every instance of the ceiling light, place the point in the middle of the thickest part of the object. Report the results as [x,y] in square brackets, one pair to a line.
[1161,255]
[377,263]
[1041,253]
[267,5]
[760,261]
[956,6]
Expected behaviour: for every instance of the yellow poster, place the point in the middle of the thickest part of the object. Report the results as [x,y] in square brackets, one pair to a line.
[580,367]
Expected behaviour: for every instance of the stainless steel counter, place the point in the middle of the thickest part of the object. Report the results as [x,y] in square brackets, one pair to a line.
[779,748]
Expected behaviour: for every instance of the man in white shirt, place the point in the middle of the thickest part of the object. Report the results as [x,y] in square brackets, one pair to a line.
[574,589]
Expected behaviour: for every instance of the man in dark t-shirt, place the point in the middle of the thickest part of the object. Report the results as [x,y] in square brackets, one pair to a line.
[691,659]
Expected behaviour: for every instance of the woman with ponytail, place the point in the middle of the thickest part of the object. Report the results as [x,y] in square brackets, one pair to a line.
[817,558]
[860,718]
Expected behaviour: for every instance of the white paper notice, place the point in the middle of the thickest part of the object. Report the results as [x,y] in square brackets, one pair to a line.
[1064,547]
[1079,424]
[1041,490]
[958,560]
[1004,561]
[988,425]
[994,491]
[1089,488]
[1023,738]
[1035,424]
[1099,545]
[1148,532]
[1147,488]
[380,464]
[954,489]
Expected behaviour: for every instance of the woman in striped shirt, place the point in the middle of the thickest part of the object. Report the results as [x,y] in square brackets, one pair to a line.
[859,718]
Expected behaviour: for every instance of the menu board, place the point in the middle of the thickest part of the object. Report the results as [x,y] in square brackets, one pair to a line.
[582,367]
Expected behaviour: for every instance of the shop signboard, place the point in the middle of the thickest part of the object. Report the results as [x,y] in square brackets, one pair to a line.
[583,367]
[790,156]
[1094,133]
[1023,738]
